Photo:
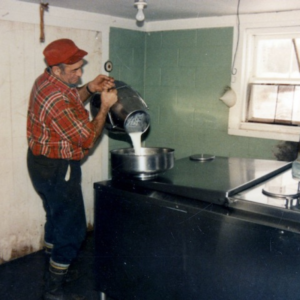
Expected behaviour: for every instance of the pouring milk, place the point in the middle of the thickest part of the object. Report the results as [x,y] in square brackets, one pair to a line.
[136,124]
[136,142]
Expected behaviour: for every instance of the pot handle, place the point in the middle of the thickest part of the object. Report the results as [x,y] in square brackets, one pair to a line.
[142,100]
[111,120]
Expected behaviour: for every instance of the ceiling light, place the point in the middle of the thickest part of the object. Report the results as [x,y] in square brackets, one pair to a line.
[140,5]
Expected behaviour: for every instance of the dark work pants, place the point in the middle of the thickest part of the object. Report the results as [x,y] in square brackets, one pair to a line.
[65,226]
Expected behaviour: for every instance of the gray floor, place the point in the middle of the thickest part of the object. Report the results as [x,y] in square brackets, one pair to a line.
[22,279]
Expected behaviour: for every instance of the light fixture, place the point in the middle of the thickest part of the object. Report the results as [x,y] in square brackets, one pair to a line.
[140,5]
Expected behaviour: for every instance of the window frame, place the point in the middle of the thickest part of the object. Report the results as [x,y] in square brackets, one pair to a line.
[243,65]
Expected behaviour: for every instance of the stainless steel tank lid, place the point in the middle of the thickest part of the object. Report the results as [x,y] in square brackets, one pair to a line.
[289,195]
[202,157]
[281,192]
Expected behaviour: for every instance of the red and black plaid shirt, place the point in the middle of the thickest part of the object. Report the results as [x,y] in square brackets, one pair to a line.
[58,125]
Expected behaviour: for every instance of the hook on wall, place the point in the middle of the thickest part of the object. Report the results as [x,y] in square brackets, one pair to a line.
[43,7]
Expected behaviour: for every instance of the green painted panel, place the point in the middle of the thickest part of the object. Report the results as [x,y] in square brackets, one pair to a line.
[152,77]
[215,36]
[157,57]
[179,38]
[182,74]
[153,40]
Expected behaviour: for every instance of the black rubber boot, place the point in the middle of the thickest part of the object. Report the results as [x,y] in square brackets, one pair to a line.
[54,286]
[72,274]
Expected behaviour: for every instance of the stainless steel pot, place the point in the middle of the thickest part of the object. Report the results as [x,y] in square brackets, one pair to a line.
[146,165]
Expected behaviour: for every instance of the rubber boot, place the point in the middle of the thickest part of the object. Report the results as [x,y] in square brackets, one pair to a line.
[54,285]
[72,274]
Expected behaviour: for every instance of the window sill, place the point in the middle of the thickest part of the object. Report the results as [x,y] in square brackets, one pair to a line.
[275,132]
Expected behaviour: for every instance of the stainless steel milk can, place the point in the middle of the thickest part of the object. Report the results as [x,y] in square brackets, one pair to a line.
[128,115]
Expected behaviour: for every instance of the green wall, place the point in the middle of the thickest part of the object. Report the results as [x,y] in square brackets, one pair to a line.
[181,75]
[127,53]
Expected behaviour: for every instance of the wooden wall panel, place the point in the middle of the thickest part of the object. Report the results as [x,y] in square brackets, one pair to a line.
[21,60]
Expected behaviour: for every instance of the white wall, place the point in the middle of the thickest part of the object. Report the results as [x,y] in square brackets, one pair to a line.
[21,61]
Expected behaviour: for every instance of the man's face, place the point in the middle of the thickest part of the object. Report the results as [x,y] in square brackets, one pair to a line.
[70,74]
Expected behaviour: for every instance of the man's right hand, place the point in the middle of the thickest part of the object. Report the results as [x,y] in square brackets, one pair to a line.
[108,99]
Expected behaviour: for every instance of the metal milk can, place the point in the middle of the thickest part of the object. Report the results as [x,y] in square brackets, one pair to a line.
[129,114]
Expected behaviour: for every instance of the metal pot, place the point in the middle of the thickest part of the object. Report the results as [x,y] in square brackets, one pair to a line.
[128,115]
[146,165]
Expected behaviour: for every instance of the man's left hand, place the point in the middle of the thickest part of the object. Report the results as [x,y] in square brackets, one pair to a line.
[101,83]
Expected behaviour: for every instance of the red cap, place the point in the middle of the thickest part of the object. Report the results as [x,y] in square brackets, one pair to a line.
[63,51]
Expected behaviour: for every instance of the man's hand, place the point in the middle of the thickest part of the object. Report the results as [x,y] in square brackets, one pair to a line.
[108,99]
[101,83]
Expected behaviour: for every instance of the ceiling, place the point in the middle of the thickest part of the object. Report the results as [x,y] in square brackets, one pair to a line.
[159,10]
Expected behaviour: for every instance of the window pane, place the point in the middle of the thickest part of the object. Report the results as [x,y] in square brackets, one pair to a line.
[284,104]
[295,72]
[296,106]
[262,105]
[273,58]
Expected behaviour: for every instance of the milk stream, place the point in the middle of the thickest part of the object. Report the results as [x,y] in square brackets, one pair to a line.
[136,142]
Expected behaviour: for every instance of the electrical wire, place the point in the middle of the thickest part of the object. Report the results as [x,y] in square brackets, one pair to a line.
[233,69]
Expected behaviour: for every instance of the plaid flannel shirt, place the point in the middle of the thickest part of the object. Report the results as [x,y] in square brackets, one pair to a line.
[58,125]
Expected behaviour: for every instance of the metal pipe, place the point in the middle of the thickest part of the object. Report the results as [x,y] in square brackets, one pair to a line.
[103,296]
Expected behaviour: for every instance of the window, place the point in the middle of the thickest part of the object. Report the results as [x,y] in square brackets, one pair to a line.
[274,104]
[272,97]
[267,84]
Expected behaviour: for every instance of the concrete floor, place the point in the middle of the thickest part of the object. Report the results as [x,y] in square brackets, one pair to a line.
[22,279]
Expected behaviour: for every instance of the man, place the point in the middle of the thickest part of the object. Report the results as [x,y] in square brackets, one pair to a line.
[59,135]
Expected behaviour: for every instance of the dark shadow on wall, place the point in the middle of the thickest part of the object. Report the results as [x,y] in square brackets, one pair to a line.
[287,151]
